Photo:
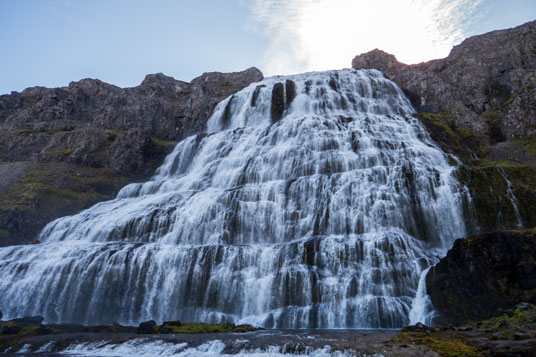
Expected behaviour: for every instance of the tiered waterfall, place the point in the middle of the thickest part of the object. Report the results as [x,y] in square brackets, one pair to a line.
[313,200]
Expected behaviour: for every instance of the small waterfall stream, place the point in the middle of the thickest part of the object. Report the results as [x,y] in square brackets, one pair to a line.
[313,201]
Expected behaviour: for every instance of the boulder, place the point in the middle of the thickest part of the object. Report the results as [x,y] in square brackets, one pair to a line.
[172,323]
[479,276]
[147,327]
[164,330]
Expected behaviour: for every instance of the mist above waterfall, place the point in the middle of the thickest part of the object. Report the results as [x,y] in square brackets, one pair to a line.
[313,200]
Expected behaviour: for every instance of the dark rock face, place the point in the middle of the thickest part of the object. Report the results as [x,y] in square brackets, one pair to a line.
[482,274]
[486,84]
[65,149]
[10,330]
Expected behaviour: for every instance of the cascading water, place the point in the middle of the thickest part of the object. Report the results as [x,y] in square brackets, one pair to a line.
[314,200]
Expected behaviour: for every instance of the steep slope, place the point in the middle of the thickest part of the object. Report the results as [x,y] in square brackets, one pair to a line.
[64,149]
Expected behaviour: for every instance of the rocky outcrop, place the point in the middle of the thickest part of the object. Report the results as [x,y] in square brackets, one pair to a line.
[486,85]
[64,149]
[482,274]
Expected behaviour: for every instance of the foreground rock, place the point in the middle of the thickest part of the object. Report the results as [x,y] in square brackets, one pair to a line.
[510,333]
[483,274]
[65,149]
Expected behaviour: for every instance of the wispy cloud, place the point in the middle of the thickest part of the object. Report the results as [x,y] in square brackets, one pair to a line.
[325,34]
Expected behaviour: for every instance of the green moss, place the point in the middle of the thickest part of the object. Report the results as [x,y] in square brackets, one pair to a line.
[461,142]
[501,163]
[508,102]
[51,190]
[36,131]
[111,137]
[199,327]
[491,207]
[509,322]
[529,144]
[445,344]
[159,141]
[491,115]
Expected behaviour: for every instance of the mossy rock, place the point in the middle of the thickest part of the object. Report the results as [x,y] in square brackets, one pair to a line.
[51,190]
[445,344]
[483,274]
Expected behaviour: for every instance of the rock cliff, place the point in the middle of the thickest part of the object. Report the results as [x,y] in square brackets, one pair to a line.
[479,103]
[486,84]
[64,149]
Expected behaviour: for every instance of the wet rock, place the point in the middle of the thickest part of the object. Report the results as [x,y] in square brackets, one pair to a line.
[1,315]
[164,330]
[146,327]
[418,327]
[523,306]
[521,336]
[278,102]
[176,323]
[290,91]
[10,330]
[465,328]
[29,320]
[43,331]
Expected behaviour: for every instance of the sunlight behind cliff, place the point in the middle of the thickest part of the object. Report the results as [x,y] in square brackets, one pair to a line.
[311,35]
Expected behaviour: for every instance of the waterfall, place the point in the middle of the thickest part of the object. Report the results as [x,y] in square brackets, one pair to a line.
[313,200]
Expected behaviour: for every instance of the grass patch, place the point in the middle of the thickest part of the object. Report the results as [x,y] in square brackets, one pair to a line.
[500,163]
[37,131]
[52,190]
[508,102]
[200,327]
[461,142]
[446,344]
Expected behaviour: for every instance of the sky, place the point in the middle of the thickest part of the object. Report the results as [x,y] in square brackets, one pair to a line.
[53,42]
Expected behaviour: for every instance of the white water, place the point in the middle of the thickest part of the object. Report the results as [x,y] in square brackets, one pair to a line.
[325,218]
[142,348]
[422,309]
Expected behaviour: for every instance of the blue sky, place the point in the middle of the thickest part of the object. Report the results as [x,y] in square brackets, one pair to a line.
[53,42]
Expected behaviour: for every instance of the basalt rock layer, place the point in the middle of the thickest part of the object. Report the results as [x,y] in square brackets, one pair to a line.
[64,149]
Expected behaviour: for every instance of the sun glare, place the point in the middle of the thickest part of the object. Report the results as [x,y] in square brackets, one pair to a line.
[310,35]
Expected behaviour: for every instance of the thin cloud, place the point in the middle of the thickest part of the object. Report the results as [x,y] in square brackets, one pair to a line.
[310,35]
